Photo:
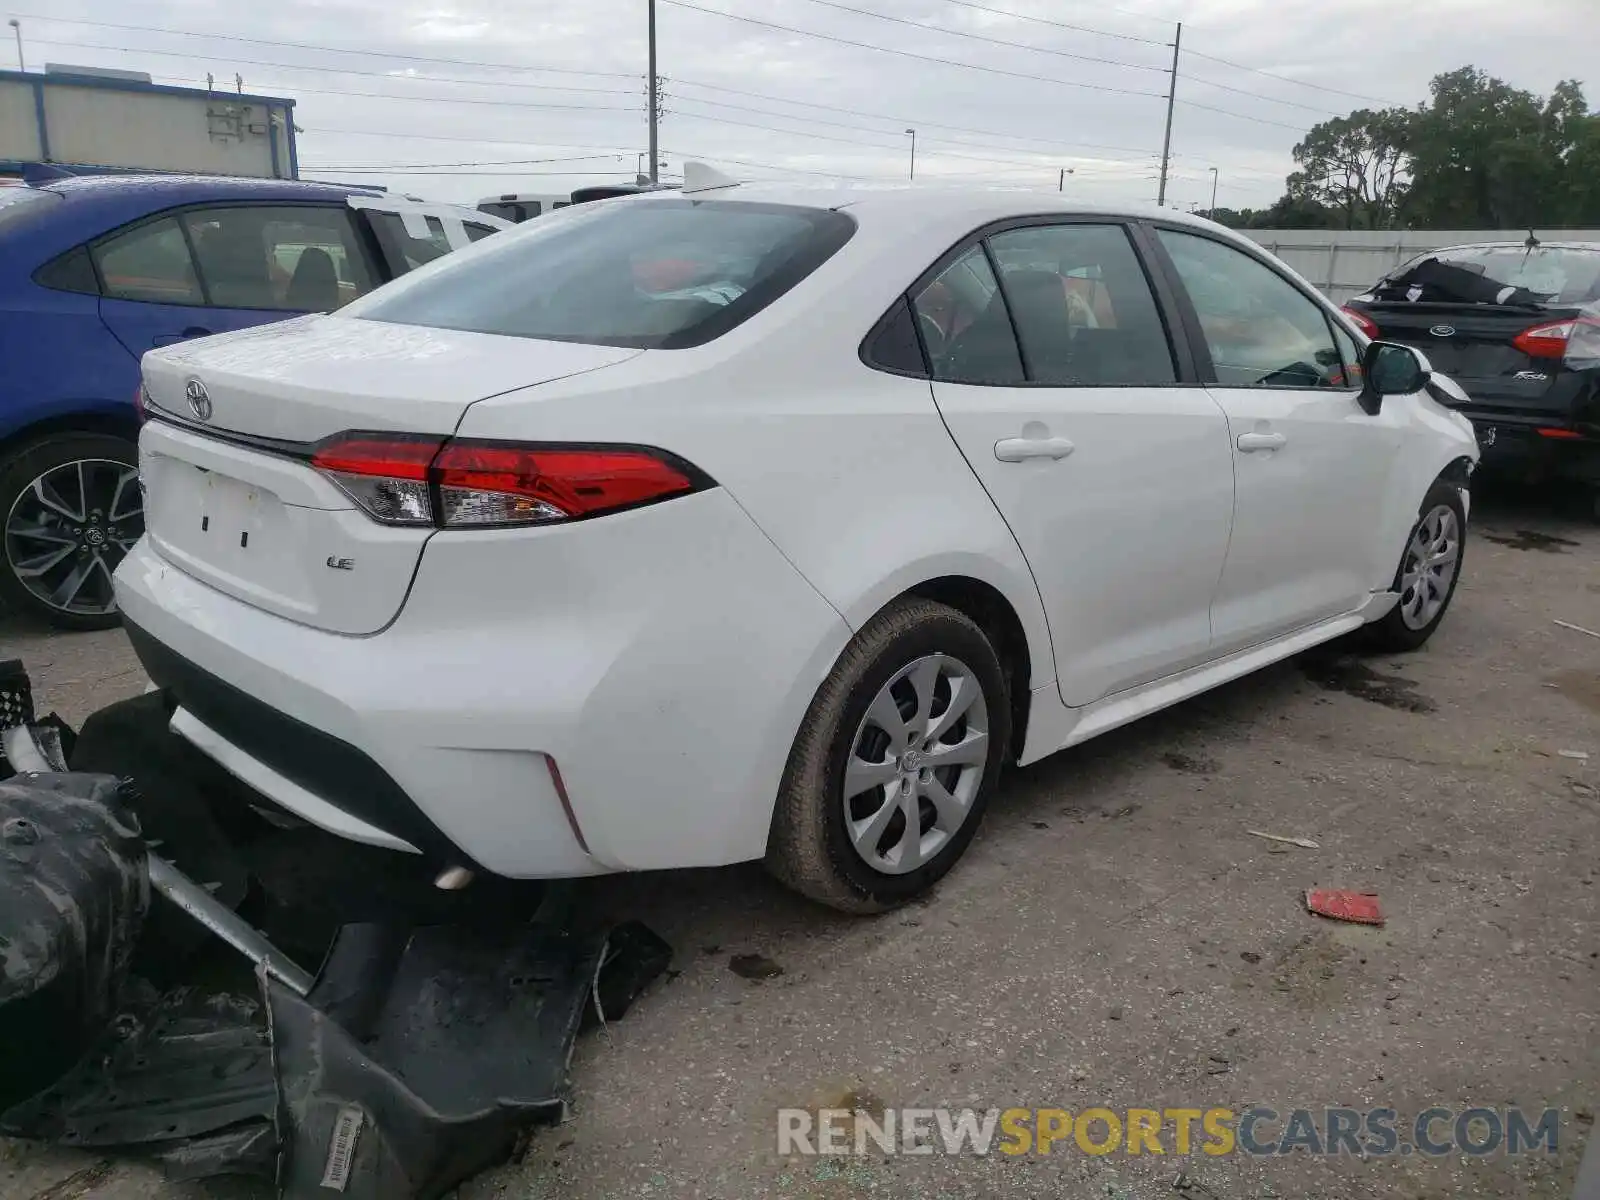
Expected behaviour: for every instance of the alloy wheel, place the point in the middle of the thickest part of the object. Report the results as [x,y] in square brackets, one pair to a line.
[1432,559]
[68,529]
[915,764]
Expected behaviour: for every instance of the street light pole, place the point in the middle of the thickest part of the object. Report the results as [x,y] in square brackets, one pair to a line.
[655,100]
[1061,182]
[16,28]
[913,134]
[1213,213]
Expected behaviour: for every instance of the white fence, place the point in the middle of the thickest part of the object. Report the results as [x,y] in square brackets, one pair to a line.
[1343,263]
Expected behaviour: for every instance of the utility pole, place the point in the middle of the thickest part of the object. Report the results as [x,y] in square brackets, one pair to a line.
[1213,211]
[913,134]
[655,100]
[16,28]
[1172,97]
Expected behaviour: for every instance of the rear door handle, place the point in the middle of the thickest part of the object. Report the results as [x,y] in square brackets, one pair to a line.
[1018,449]
[168,339]
[1250,442]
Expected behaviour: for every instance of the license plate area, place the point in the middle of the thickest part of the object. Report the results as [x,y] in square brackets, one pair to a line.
[227,531]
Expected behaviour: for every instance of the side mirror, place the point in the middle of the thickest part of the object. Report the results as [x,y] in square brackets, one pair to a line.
[1390,369]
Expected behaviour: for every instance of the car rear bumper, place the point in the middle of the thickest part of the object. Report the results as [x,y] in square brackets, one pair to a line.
[1517,448]
[661,659]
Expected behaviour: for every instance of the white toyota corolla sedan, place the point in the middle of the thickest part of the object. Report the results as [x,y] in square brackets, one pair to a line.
[761,522]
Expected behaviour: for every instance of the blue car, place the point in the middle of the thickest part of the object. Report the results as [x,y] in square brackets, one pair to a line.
[96,270]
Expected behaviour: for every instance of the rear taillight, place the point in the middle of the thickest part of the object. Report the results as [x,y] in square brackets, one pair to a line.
[140,404]
[386,474]
[403,480]
[1574,338]
[1363,322]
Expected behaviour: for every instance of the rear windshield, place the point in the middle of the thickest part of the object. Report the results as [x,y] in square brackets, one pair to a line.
[1499,275]
[656,274]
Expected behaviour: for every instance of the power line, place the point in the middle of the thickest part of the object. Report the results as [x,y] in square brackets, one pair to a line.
[1000,12]
[768,112]
[1322,109]
[979,37]
[503,162]
[1286,79]
[1016,137]
[433,174]
[826,137]
[476,141]
[741,162]
[229,37]
[1243,116]
[949,62]
[259,62]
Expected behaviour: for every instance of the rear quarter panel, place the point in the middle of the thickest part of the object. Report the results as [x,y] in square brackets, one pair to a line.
[849,470]
[60,359]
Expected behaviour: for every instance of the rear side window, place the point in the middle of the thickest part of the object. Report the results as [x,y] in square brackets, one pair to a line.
[149,262]
[964,324]
[1083,308]
[70,272]
[300,259]
[661,274]
[408,246]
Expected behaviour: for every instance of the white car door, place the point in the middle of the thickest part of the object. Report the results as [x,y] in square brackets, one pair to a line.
[1311,466]
[1061,387]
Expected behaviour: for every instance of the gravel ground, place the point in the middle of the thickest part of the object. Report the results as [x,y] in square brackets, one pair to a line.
[1116,938]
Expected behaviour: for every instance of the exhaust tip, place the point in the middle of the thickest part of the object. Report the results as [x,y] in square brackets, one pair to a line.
[453,879]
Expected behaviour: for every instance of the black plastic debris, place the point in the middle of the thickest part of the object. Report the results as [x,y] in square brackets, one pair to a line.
[185,1078]
[453,1047]
[417,1055]
[73,893]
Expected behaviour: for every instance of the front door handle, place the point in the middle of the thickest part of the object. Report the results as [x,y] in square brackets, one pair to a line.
[1250,442]
[1018,449]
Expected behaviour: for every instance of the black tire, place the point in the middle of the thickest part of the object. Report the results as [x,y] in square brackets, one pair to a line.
[32,462]
[809,848]
[1392,635]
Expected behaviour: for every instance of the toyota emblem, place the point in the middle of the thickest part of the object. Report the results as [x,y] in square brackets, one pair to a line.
[1443,331]
[199,399]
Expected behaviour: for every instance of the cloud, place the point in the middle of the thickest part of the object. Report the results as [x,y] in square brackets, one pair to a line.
[566,78]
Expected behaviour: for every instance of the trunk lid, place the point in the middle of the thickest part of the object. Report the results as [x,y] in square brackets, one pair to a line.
[233,500]
[303,380]
[1472,343]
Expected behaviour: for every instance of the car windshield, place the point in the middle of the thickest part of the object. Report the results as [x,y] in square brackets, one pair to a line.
[1499,275]
[655,274]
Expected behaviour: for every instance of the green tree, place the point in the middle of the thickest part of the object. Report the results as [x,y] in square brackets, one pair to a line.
[1356,165]
[1480,157]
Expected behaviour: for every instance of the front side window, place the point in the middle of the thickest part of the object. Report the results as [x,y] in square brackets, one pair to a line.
[1262,331]
[1083,308]
[661,274]
[300,259]
[149,262]
[965,326]
[1350,357]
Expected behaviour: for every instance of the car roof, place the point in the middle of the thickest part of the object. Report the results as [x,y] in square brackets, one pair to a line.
[1510,246]
[931,202]
[164,190]
[96,204]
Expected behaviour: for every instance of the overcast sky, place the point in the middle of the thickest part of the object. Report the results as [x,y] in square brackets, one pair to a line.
[561,79]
